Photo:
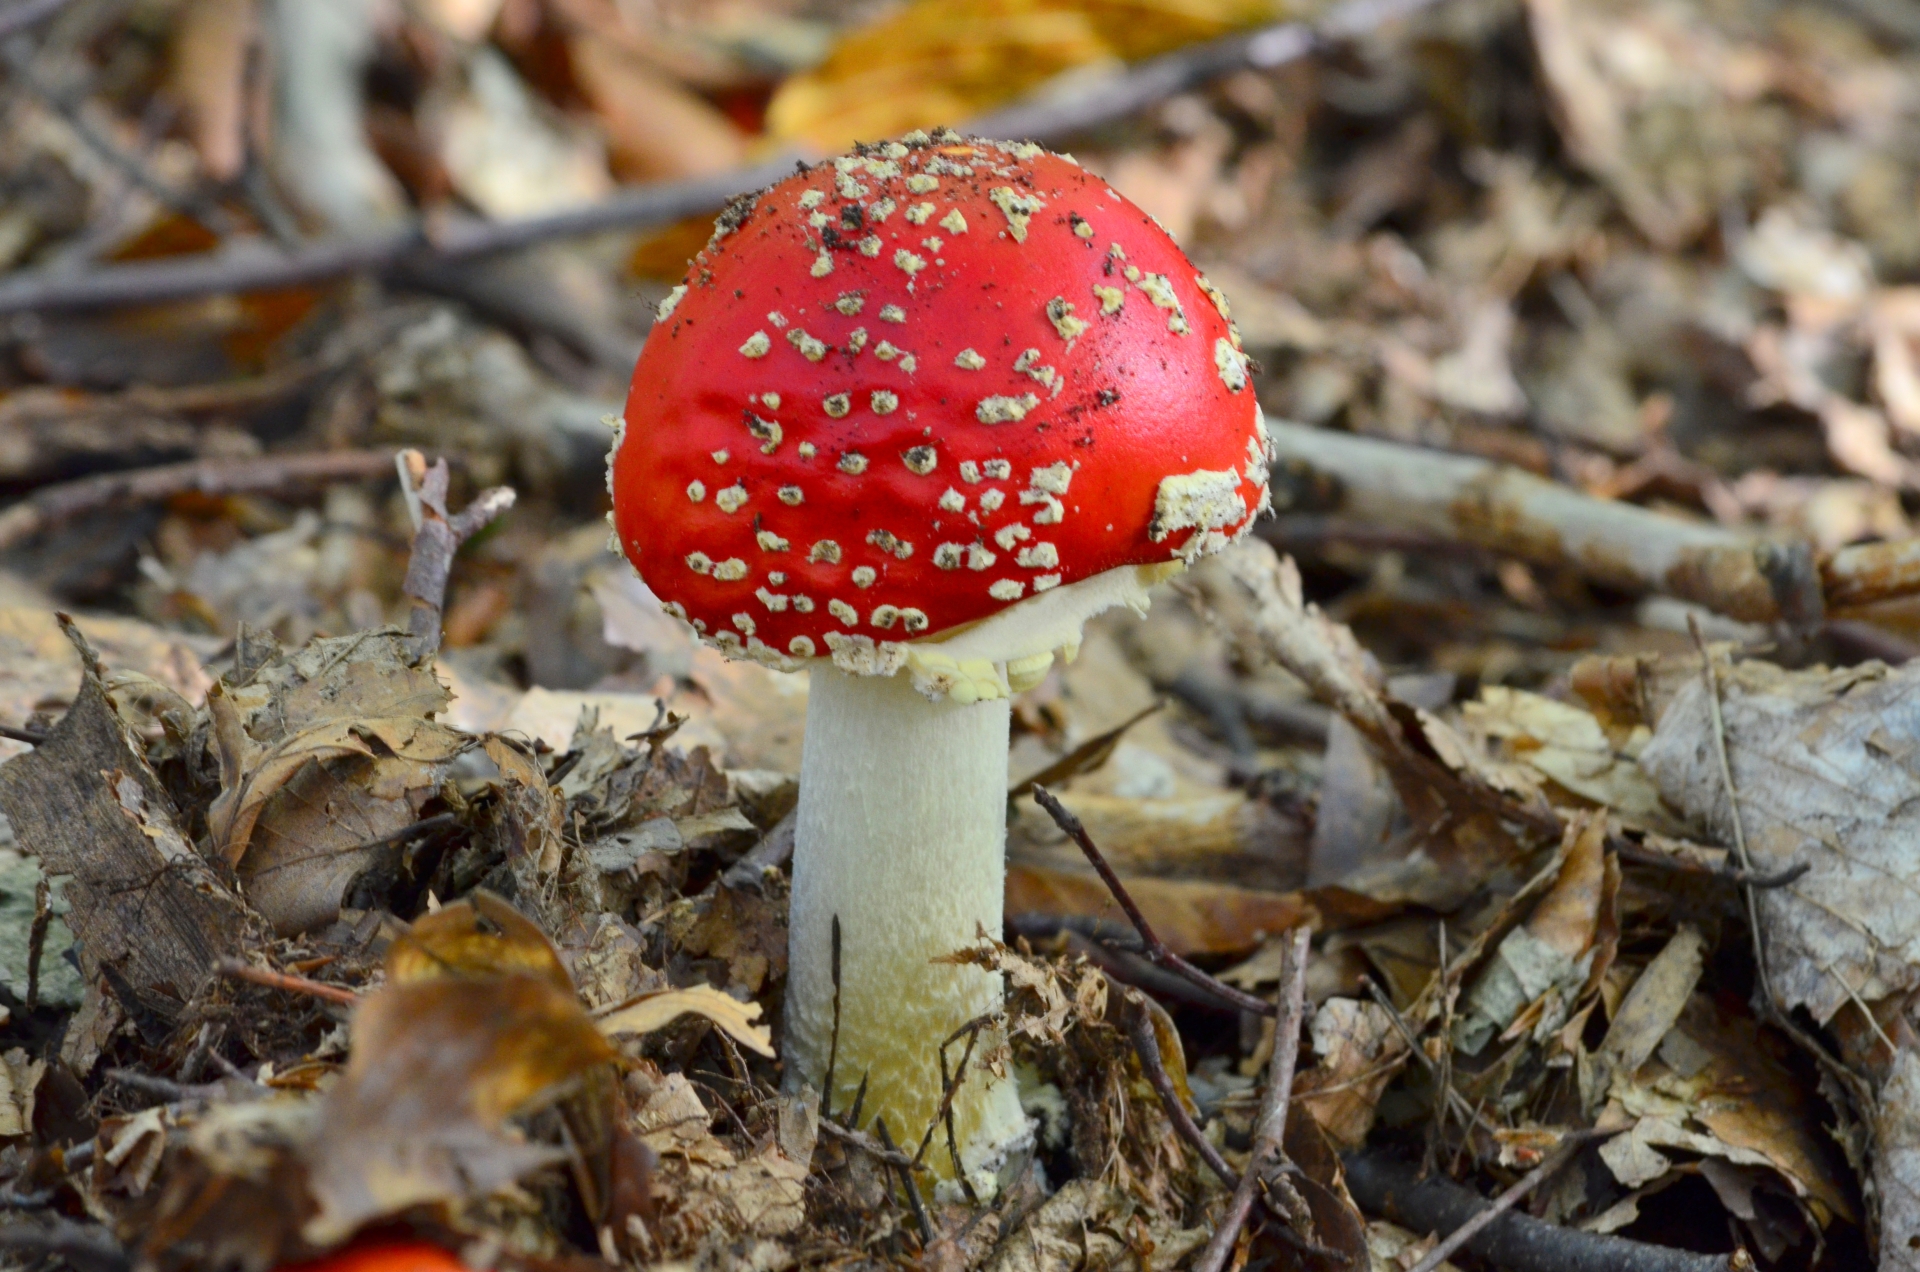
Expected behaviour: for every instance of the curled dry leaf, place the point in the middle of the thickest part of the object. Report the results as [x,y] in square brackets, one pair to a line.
[1542,967]
[438,1066]
[648,1012]
[1191,917]
[1716,1086]
[1822,761]
[329,751]
[1650,1009]
[1565,744]
[937,61]
[40,671]
[709,1198]
[1090,1224]
[1360,1051]
[478,1021]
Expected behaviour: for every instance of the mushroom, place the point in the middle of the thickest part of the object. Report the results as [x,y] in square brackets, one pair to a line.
[915,415]
[383,1256]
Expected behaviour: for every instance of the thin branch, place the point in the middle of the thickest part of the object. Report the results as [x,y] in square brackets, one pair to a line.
[37,938]
[52,506]
[87,1247]
[27,13]
[914,1200]
[866,1144]
[1147,1047]
[1156,949]
[234,969]
[1272,1123]
[18,55]
[1390,1186]
[1549,1166]
[435,540]
[949,1088]
[1131,969]
[1710,679]
[833,1046]
[425,826]
[1642,855]
[252,265]
[1511,512]
[1454,1100]
[162,1088]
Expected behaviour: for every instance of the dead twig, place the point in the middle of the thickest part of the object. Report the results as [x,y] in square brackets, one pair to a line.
[833,1044]
[37,938]
[1388,1185]
[1641,855]
[1131,969]
[234,969]
[162,1088]
[1849,1080]
[17,53]
[251,265]
[89,1248]
[1454,1100]
[1271,1125]
[1147,1047]
[436,537]
[28,13]
[1549,1166]
[866,1144]
[950,1087]
[1516,514]
[425,826]
[52,506]
[914,1201]
[1155,949]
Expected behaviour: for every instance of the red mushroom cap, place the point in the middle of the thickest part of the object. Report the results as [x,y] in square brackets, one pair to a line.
[904,390]
[383,1256]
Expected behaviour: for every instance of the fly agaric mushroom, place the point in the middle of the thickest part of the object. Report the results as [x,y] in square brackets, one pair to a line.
[915,415]
[383,1256]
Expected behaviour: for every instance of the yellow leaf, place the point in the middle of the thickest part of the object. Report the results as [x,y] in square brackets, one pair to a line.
[944,61]
[649,1012]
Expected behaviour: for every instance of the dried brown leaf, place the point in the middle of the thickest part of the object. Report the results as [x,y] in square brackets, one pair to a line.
[1089,1224]
[648,1012]
[1823,763]
[1192,918]
[657,130]
[1360,1051]
[478,936]
[438,1066]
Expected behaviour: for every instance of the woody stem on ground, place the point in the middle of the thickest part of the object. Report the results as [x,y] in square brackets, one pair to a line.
[1271,1125]
[436,538]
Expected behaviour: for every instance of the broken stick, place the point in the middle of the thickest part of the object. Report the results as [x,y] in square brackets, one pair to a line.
[436,538]
[1155,949]
[52,506]
[1272,1122]
[1505,510]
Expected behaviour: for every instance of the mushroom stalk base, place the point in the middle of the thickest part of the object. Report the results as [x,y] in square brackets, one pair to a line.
[901,834]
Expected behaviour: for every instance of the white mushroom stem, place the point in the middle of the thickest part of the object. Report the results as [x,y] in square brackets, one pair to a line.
[901,834]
